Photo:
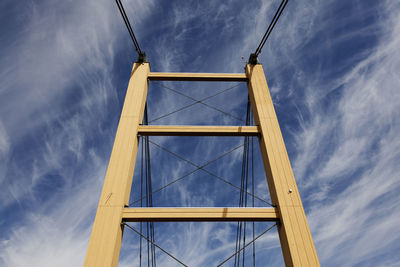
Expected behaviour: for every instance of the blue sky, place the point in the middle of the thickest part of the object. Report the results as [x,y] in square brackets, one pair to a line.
[333,71]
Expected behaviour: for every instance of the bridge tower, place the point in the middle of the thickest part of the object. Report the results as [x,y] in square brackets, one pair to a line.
[113,211]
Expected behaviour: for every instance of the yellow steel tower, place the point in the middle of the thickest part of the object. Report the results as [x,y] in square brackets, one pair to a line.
[295,237]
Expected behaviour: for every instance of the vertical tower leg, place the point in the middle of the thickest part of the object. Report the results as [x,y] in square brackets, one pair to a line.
[296,241]
[106,237]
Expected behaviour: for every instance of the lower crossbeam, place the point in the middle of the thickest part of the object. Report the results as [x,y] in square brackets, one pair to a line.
[199,214]
[179,130]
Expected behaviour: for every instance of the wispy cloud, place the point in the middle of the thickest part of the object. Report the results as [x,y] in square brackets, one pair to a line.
[56,87]
[61,231]
[348,159]
[336,97]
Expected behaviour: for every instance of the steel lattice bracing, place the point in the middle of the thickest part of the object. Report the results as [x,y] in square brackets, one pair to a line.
[105,242]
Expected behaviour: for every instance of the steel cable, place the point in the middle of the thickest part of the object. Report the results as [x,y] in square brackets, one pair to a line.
[278,13]
[154,244]
[241,226]
[252,241]
[145,177]
[271,26]
[141,54]
[185,175]
[208,172]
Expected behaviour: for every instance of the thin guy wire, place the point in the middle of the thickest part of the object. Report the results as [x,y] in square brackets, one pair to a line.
[185,175]
[198,102]
[147,204]
[252,191]
[149,199]
[245,183]
[141,198]
[241,195]
[173,112]
[241,226]
[163,250]
[211,173]
[247,244]
[152,231]
[246,178]
[237,187]
[206,98]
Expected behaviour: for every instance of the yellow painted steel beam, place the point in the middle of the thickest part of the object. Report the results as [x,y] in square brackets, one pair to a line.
[105,240]
[207,77]
[296,241]
[180,130]
[199,214]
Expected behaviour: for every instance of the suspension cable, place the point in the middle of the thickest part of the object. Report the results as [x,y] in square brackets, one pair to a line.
[253,191]
[253,57]
[141,199]
[241,226]
[142,54]
[151,257]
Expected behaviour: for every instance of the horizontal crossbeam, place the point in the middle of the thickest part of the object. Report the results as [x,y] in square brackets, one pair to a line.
[206,77]
[174,130]
[199,214]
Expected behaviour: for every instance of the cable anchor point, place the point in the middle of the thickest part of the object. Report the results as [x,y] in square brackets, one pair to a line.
[142,57]
[253,59]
